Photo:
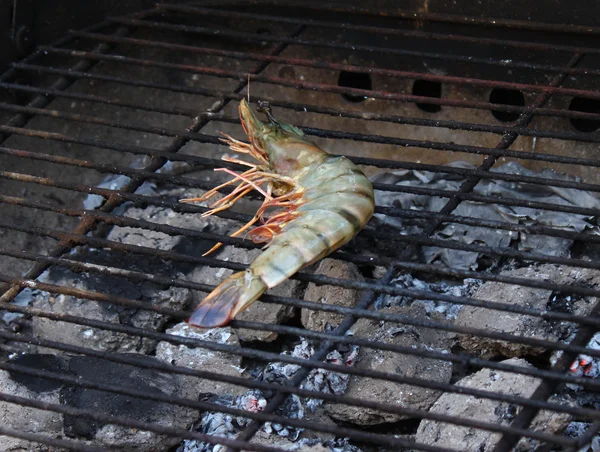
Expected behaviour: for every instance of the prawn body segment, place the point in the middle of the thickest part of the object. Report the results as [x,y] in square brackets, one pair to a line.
[323,202]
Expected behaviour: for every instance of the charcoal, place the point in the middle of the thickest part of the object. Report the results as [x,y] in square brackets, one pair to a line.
[485,410]
[449,310]
[318,380]
[319,320]
[576,429]
[50,363]
[307,445]
[402,395]
[144,410]
[96,338]
[204,359]
[224,425]
[554,246]
[27,419]
[525,297]
[292,408]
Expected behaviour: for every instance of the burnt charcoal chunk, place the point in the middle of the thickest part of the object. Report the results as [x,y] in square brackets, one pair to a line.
[106,372]
[49,363]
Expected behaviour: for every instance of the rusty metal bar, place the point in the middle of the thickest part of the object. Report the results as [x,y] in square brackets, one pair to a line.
[447,37]
[304,85]
[418,16]
[450,124]
[452,80]
[365,69]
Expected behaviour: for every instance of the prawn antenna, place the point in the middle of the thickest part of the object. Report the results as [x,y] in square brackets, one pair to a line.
[248,87]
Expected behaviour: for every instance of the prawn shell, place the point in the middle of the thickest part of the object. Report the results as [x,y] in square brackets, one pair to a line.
[353,208]
[331,230]
[278,262]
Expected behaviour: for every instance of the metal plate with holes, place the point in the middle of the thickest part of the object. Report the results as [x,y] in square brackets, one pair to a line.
[464,316]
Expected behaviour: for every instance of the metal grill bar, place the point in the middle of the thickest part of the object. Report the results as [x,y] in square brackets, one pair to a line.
[546,387]
[247,383]
[309,364]
[429,268]
[322,307]
[141,199]
[390,164]
[156,163]
[313,86]
[269,417]
[311,131]
[346,67]
[117,197]
[462,359]
[449,124]
[151,200]
[82,239]
[432,17]
[369,298]
[453,80]
[335,25]
[126,422]
[47,440]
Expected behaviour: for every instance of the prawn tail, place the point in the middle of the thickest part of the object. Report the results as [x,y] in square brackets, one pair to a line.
[232,296]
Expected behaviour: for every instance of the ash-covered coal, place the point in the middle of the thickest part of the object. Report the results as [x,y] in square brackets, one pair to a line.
[522,325]
[407,281]
[97,371]
[584,366]
[50,363]
[319,380]
[554,246]
[96,338]
[204,359]
[294,407]
[222,424]
[577,429]
[442,434]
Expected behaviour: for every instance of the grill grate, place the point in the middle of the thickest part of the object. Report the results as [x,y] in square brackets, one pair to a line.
[115,71]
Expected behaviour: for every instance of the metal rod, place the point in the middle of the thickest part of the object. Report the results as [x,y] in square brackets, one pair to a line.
[419,16]
[365,69]
[126,422]
[450,124]
[380,163]
[212,407]
[448,79]
[82,239]
[429,268]
[48,440]
[310,364]
[446,37]
[138,276]
[305,85]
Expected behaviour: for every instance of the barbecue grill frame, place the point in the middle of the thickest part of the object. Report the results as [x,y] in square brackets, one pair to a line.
[116,197]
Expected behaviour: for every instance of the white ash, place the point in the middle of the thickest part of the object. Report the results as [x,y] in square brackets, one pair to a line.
[576,429]
[407,281]
[171,353]
[118,181]
[24,298]
[293,408]
[319,380]
[554,246]
[224,425]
